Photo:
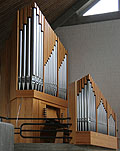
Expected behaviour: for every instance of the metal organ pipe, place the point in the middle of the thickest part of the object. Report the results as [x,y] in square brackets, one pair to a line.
[24,57]
[20,60]
[102,119]
[86,107]
[37,51]
[111,126]
[51,73]
[39,59]
[63,79]
[41,81]
[28,53]
[31,51]
[33,60]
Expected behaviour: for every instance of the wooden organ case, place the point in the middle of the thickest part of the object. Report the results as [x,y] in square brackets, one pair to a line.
[93,120]
[34,70]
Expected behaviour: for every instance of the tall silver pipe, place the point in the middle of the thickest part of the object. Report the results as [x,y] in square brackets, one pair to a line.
[50,74]
[83,111]
[39,59]
[54,71]
[28,53]
[48,89]
[92,109]
[37,52]
[85,106]
[33,56]
[45,77]
[88,103]
[99,117]
[60,81]
[56,67]
[78,118]
[42,40]
[20,60]
[80,106]
[65,77]
[24,56]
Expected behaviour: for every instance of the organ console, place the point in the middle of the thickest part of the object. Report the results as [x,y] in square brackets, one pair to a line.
[92,117]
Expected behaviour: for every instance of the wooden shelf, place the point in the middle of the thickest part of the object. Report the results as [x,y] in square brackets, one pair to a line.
[96,139]
[41,96]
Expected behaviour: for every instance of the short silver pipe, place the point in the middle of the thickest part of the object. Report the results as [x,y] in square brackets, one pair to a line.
[20,60]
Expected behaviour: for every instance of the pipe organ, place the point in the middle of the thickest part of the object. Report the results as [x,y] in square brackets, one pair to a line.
[35,85]
[30,67]
[37,71]
[91,115]
[38,55]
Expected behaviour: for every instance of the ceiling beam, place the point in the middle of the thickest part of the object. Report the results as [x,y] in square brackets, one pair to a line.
[77,7]
[86,7]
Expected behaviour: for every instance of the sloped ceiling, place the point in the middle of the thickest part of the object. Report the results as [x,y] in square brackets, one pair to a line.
[52,9]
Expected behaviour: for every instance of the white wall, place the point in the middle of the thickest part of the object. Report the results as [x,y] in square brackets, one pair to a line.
[95,48]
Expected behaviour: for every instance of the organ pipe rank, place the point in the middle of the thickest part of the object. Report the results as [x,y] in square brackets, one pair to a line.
[38,66]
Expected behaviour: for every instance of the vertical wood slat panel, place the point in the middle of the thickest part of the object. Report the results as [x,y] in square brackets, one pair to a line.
[29,11]
[49,41]
[61,52]
[25,15]
[18,26]
[78,87]
[45,42]
[21,19]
